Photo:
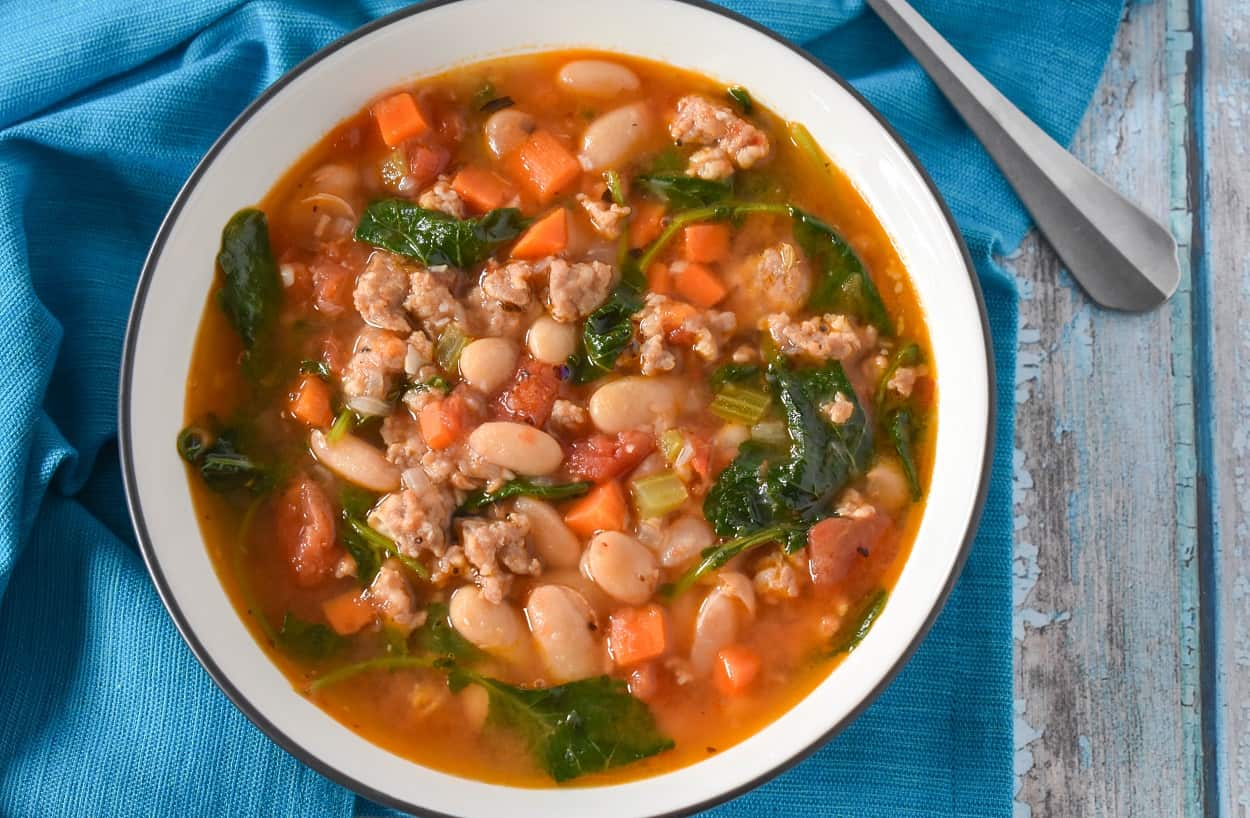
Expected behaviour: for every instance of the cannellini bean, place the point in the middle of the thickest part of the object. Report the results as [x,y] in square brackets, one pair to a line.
[338,179]
[550,341]
[608,139]
[715,627]
[487,363]
[517,446]
[596,78]
[737,586]
[494,627]
[507,130]
[686,539]
[729,437]
[631,402]
[887,486]
[553,542]
[475,702]
[623,567]
[562,623]
[355,461]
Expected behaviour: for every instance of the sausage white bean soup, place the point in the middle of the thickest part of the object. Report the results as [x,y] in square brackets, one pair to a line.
[560,417]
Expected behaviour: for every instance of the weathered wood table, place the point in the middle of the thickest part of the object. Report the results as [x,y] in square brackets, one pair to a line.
[1131,567]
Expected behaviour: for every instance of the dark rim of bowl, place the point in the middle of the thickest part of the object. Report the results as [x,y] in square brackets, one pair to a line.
[171,604]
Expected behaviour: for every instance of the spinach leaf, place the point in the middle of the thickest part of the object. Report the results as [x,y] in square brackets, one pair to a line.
[572,729]
[842,284]
[739,501]
[433,237]
[791,535]
[684,192]
[496,104]
[898,426]
[735,373]
[438,638]
[222,466]
[823,456]
[608,330]
[741,96]
[251,289]
[523,486]
[317,368]
[308,640]
[361,538]
[857,624]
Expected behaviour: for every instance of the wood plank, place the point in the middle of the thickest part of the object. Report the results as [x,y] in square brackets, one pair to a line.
[1105,581]
[1225,338]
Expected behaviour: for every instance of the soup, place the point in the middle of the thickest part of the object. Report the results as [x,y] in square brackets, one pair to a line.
[563,417]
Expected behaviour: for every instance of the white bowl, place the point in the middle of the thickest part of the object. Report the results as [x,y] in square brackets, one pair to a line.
[335,83]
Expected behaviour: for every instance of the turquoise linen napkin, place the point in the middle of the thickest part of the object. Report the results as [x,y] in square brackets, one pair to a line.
[105,107]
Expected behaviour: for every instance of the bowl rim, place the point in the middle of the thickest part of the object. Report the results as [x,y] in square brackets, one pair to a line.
[151,561]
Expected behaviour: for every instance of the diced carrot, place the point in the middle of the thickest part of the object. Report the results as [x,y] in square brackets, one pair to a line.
[551,166]
[347,612]
[645,223]
[481,188]
[736,667]
[659,280]
[311,402]
[637,634]
[399,118]
[442,422]
[698,285]
[707,243]
[545,237]
[603,509]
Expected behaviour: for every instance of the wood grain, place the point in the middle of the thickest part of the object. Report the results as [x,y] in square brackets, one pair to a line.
[1224,337]
[1108,717]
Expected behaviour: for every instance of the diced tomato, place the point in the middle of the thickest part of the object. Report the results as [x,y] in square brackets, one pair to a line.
[531,394]
[305,531]
[602,457]
[426,162]
[837,547]
[334,355]
[332,286]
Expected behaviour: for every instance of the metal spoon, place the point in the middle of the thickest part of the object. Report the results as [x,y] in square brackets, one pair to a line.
[1123,258]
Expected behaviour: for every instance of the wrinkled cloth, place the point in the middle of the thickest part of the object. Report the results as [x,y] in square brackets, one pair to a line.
[105,107]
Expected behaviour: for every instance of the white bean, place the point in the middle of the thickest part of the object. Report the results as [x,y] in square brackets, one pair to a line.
[623,567]
[338,179]
[715,627]
[507,130]
[355,461]
[596,78]
[563,626]
[887,485]
[736,585]
[686,539]
[494,627]
[608,139]
[550,341]
[475,703]
[487,363]
[517,447]
[553,542]
[632,402]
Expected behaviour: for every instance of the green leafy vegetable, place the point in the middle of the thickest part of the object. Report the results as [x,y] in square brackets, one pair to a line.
[741,96]
[856,626]
[433,237]
[355,501]
[342,425]
[251,289]
[484,94]
[572,729]
[615,190]
[193,443]
[221,464]
[898,425]
[523,486]
[438,638]
[308,640]
[383,546]
[436,382]
[842,283]
[735,373]
[823,456]
[317,368]
[608,330]
[740,501]
[496,104]
[716,556]
[682,191]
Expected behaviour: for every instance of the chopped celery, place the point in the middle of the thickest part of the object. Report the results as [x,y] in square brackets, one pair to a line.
[450,344]
[394,168]
[740,404]
[671,443]
[342,425]
[772,432]
[658,494]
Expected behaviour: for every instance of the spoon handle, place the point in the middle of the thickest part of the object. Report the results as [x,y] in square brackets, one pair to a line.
[1123,258]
